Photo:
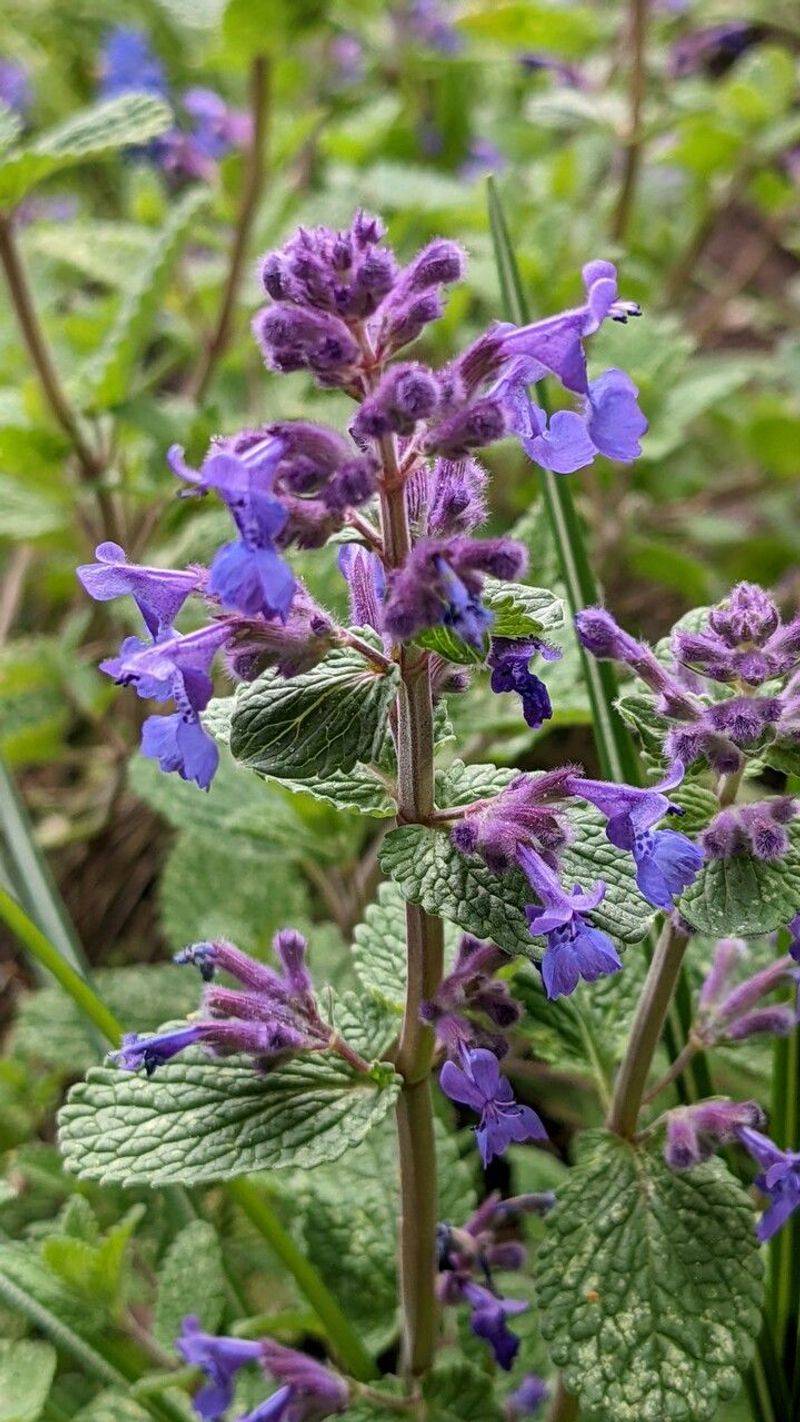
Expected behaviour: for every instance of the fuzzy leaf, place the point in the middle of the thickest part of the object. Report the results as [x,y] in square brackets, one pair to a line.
[196,902]
[105,380]
[26,1372]
[197,1120]
[190,1280]
[650,1283]
[638,711]
[316,724]
[431,871]
[744,895]
[118,123]
[379,947]
[359,790]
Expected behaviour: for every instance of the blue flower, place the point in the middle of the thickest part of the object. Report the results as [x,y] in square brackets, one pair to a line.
[488,1321]
[128,64]
[220,1359]
[779,1179]
[152,1052]
[159,593]
[509,660]
[526,1400]
[575,949]
[666,862]
[479,1085]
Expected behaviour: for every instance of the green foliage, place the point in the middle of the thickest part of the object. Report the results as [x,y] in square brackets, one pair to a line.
[191,1280]
[26,1372]
[650,1283]
[198,1121]
[316,724]
[744,895]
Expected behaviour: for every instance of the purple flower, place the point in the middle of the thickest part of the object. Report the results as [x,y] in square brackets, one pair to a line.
[217,127]
[159,593]
[453,493]
[526,1400]
[601,635]
[713,48]
[247,574]
[406,394]
[440,585]
[610,422]
[467,996]
[535,62]
[794,933]
[695,1132]
[756,829]
[728,954]
[220,1359]
[344,274]
[15,86]
[483,157]
[425,22]
[779,1180]
[479,1085]
[128,64]
[745,640]
[666,862]
[151,1052]
[525,812]
[309,1391]
[366,584]
[488,1319]
[509,660]
[575,949]
[293,646]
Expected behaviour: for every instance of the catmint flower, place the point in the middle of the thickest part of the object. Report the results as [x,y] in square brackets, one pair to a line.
[425,22]
[406,394]
[416,299]
[713,48]
[742,999]
[455,496]
[601,635]
[757,829]
[666,862]
[488,1321]
[297,338]
[128,64]
[524,813]
[528,1398]
[345,274]
[483,157]
[610,422]
[366,584]
[575,949]
[217,128]
[15,86]
[477,1083]
[483,422]
[467,996]
[779,1179]
[440,585]
[220,1359]
[293,646]
[695,1132]
[308,1390]
[248,574]
[509,660]
[728,954]
[745,640]
[794,934]
[159,593]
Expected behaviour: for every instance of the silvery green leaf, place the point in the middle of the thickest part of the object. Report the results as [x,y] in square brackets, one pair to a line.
[745,896]
[191,1279]
[26,1372]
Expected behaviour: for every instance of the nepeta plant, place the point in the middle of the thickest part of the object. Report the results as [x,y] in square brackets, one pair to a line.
[647,1278]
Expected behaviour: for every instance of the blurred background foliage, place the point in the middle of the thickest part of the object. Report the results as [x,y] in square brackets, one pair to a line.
[685,169]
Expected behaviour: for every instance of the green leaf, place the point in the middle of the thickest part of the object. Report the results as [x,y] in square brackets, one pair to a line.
[109,253]
[460,1392]
[111,1405]
[196,1120]
[315,724]
[196,899]
[92,1269]
[745,896]
[379,947]
[638,711]
[30,1290]
[360,790]
[190,1280]
[118,123]
[519,611]
[429,870]
[650,1283]
[26,1372]
[523,24]
[106,380]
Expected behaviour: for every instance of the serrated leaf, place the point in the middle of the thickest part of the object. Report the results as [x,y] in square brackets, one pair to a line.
[96,131]
[379,947]
[360,790]
[26,1372]
[638,711]
[191,1279]
[460,1392]
[196,1120]
[429,870]
[105,381]
[650,1283]
[519,611]
[745,896]
[92,1269]
[460,784]
[196,899]
[30,1290]
[315,724]
[109,253]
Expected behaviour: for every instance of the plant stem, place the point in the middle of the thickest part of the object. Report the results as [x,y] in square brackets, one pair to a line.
[346,1344]
[424,951]
[646,1030]
[90,463]
[253,187]
[45,953]
[637,41]
[564,1407]
[687,1054]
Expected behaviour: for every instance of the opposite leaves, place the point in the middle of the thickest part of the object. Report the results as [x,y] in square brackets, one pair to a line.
[316,724]
[197,1120]
[650,1284]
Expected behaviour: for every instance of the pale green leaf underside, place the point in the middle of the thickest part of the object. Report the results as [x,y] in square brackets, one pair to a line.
[199,1120]
[26,1372]
[650,1284]
[744,895]
[118,123]
[191,1280]
[316,724]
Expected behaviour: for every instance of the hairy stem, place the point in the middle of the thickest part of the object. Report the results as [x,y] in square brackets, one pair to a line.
[255,177]
[564,1407]
[637,41]
[424,951]
[90,463]
[646,1030]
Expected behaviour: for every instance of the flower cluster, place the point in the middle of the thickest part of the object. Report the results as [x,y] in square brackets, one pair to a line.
[275,1015]
[210,128]
[478,1249]
[728,1012]
[307,1391]
[709,694]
